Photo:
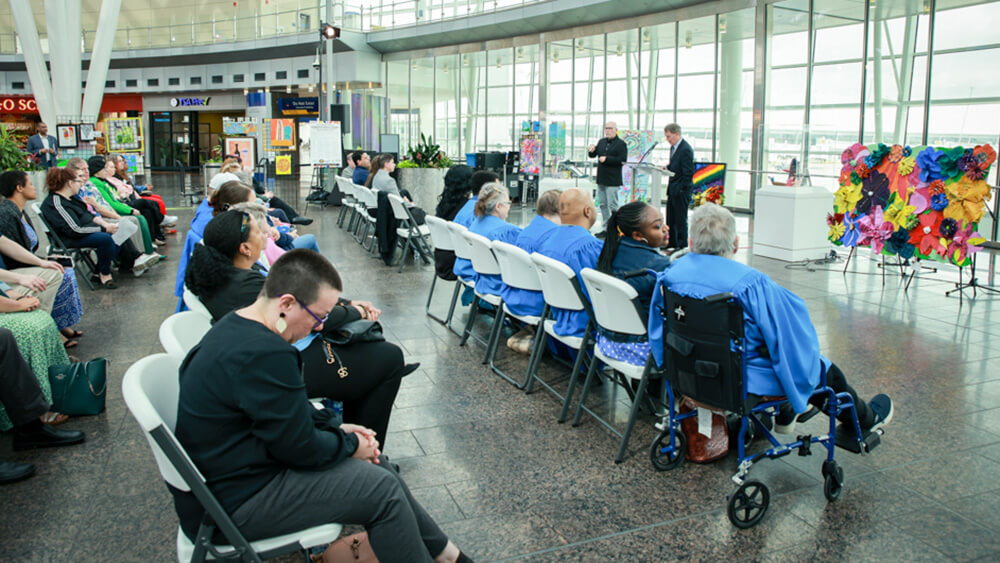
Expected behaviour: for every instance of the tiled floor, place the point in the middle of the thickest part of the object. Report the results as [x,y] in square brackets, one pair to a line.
[507,482]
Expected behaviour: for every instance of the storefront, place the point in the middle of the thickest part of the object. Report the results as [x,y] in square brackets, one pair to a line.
[184,129]
[19,114]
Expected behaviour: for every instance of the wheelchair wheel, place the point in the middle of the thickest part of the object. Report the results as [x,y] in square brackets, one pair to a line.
[833,480]
[667,461]
[748,504]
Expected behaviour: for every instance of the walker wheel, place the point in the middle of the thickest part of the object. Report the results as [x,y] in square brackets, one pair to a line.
[748,504]
[667,461]
[833,481]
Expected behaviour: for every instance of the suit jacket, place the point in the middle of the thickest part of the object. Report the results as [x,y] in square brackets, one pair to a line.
[682,165]
[35,145]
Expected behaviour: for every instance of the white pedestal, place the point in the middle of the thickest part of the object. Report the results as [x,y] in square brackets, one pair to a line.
[790,222]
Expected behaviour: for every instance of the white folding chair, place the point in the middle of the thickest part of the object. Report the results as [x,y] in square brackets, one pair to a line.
[182,331]
[414,235]
[192,302]
[561,291]
[484,263]
[151,389]
[461,251]
[83,262]
[347,202]
[441,240]
[517,271]
[367,200]
[616,308]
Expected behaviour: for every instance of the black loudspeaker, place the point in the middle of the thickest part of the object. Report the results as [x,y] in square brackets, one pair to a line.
[341,113]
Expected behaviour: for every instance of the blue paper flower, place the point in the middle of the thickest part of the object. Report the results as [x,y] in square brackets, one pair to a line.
[939,202]
[927,160]
[899,243]
[852,231]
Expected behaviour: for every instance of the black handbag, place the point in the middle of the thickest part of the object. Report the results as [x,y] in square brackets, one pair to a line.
[353,332]
[79,389]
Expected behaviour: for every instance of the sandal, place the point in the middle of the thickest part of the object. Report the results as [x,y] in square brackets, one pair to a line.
[71,333]
[70,344]
[110,284]
[53,418]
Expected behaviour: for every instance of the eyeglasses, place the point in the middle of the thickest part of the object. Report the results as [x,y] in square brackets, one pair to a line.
[319,321]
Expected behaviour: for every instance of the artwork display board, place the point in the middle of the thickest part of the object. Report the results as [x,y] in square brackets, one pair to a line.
[283,165]
[557,139]
[281,134]
[66,136]
[326,143]
[639,142]
[239,128]
[124,134]
[531,154]
[709,183]
[912,201]
[245,148]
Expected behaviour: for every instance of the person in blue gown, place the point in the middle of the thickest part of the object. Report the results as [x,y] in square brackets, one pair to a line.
[783,357]
[465,216]
[492,208]
[573,244]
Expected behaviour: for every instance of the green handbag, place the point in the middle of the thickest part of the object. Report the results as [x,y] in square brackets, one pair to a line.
[79,389]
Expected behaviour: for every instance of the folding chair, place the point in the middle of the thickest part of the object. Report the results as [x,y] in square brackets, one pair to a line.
[182,331]
[413,234]
[194,304]
[150,389]
[440,240]
[461,251]
[366,200]
[485,264]
[347,203]
[517,271]
[57,246]
[561,291]
[616,308]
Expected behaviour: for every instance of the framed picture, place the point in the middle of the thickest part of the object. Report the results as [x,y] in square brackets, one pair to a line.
[87,132]
[245,148]
[67,136]
[124,134]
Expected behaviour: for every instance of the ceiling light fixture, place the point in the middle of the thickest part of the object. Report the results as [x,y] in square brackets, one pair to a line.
[687,39]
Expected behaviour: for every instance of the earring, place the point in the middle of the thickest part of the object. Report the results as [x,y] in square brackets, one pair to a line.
[281,325]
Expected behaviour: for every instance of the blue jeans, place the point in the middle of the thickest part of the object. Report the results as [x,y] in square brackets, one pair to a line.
[306,241]
[106,249]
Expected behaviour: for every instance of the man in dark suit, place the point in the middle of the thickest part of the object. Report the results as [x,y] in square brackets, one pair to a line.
[43,146]
[679,189]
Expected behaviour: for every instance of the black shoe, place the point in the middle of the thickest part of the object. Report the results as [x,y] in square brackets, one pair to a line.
[45,437]
[12,471]
[300,220]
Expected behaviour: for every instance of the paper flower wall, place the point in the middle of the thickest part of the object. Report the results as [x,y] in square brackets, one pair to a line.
[924,201]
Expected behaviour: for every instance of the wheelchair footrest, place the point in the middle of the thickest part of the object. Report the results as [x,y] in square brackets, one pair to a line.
[847,440]
[807,416]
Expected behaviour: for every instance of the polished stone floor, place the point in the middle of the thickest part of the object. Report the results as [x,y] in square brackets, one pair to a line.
[506,482]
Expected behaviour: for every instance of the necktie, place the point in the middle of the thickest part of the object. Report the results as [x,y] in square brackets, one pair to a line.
[672,149]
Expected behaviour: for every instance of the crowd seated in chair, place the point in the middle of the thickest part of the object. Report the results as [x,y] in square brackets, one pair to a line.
[491,210]
[457,191]
[522,301]
[99,209]
[147,211]
[224,275]
[348,171]
[784,358]
[126,186]
[23,401]
[287,466]
[635,233]
[285,213]
[465,216]
[362,162]
[573,244]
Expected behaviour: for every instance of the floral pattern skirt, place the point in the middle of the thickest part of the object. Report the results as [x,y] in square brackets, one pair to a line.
[38,340]
[67,309]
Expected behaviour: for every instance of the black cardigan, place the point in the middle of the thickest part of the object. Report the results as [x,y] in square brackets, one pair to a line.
[12,228]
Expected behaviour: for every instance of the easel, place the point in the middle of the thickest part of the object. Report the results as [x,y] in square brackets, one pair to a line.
[990,246]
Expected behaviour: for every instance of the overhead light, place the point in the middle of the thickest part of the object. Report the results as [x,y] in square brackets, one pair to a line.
[172,39]
[445,70]
[498,62]
[316,62]
[722,25]
[619,50]
[687,39]
[520,52]
[465,59]
[927,6]
[246,91]
[645,35]
[579,46]
[288,89]
[555,56]
[327,31]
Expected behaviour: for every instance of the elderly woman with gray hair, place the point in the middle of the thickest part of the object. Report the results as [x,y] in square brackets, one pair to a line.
[492,207]
[784,357]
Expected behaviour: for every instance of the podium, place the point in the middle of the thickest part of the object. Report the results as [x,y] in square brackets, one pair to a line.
[656,174]
[790,222]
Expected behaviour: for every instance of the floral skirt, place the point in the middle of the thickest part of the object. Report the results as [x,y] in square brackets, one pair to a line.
[38,340]
[634,353]
[67,309]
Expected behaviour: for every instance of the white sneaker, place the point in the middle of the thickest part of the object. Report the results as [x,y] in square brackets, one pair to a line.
[168,221]
[143,263]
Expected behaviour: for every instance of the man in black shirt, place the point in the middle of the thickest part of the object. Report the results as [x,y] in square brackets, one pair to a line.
[611,152]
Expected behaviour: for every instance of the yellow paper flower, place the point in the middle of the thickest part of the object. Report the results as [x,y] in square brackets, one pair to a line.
[898,213]
[906,165]
[966,198]
[847,197]
[836,231]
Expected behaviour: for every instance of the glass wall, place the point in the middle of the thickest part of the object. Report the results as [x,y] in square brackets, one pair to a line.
[833,73]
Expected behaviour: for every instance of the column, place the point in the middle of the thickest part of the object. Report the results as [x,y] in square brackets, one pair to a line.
[38,74]
[100,58]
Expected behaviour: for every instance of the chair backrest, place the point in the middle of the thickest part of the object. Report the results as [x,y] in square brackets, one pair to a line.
[367,197]
[195,304]
[346,186]
[700,349]
[458,242]
[516,268]
[559,285]
[55,241]
[151,388]
[483,261]
[440,235]
[398,207]
[182,331]
[615,303]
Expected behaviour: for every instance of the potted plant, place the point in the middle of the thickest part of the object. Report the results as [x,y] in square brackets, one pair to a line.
[422,172]
[12,157]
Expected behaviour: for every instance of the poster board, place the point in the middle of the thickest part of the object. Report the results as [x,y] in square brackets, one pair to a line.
[282,134]
[708,183]
[246,148]
[283,165]
[124,134]
[638,142]
[531,155]
[326,144]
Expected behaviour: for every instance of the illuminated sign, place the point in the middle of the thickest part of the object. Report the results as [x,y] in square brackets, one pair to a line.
[176,102]
[18,105]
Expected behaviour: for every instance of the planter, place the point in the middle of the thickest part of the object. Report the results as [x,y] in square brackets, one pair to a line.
[424,184]
[209,170]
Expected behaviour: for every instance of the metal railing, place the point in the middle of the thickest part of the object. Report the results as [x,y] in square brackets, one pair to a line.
[373,15]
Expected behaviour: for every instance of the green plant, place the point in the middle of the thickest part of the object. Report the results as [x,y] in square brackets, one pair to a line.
[11,155]
[425,154]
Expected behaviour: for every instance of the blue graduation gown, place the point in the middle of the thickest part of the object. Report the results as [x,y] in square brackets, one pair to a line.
[493,228]
[464,217]
[202,216]
[578,249]
[522,301]
[772,316]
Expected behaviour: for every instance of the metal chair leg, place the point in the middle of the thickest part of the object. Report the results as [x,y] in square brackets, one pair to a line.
[468,324]
[402,257]
[535,359]
[583,395]
[640,394]
[495,331]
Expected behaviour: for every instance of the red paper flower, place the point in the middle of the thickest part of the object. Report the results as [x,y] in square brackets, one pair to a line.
[862,170]
[927,234]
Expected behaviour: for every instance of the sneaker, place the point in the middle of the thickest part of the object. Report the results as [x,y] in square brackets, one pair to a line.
[169,221]
[881,404]
[143,263]
[784,422]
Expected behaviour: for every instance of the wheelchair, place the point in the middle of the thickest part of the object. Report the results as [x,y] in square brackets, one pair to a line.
[705,360]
